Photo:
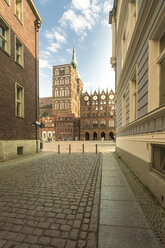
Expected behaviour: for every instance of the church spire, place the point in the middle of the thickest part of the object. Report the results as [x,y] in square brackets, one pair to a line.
[74,62]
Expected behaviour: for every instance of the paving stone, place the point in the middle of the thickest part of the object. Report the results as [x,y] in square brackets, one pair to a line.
[48,205]
[74,234]
[58,242]
[81,243]
[52,233]
[71,244]
[44,240]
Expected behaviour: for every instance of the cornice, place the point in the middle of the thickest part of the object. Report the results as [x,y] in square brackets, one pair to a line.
[153,114]
[35,11]
[138,34]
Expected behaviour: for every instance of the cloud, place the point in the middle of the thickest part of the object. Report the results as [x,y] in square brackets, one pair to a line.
[107,6]
[81,4]
[44,54]
[43,63]
[53,47]
[69,50]
[82,16]
[54,33]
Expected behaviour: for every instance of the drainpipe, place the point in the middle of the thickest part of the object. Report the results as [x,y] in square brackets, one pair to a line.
[37,27]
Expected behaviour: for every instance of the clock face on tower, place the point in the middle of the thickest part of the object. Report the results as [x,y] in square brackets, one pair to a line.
[111,97]
[62,72]
[94,98]
[103,97]
[86,98]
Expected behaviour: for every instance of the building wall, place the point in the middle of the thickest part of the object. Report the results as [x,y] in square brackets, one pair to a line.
[140,115]
[14,128]
[97,113]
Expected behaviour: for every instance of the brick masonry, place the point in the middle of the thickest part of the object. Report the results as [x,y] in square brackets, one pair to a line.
[12,127]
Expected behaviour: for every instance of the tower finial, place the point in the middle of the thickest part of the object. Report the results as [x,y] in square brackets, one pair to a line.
[74,62]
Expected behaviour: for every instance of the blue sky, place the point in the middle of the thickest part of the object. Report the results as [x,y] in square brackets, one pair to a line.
[86,22]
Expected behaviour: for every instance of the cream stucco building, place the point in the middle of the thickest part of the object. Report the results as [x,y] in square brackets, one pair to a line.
[138,58]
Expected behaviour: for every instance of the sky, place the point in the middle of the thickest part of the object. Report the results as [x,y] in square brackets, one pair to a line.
[86,23]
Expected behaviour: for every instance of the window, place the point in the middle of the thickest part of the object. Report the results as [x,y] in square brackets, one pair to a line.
[56,92]
[66,91]
[111,113]
[161,62]
[111,123]
[8,2]
[66,71]
[56,106]
[18,9]
[4,36]
[61,105]
[61,92]
[61,81]
[124,109]
[67,105]
[18,51]
[133,96]
[94,123]
[103,123]
[56,72]
[86,124]
[66,81]
[19,100]
[158,158]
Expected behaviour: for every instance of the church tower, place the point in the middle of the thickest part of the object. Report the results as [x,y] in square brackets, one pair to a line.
[67,88]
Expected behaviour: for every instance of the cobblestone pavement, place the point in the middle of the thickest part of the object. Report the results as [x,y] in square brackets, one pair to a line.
[151,208]
[50,201]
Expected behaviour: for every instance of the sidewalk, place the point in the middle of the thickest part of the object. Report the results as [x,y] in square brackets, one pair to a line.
[122,223]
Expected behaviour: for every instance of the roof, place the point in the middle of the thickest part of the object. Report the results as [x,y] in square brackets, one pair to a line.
[45,101]
[35,11]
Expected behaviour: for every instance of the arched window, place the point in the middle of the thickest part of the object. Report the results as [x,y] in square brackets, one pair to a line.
[103,123]
[56,72]
[66,91]
[66,81]
[66,105]
[67,70]
[61,81]
[61,105]
[56,92]
[61,92]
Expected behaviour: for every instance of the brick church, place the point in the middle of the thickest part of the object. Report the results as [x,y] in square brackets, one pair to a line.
[70,120]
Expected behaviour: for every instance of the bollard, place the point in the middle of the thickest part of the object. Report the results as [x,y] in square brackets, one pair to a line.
[96,148]
[69,148]
[82,148]
[58,148]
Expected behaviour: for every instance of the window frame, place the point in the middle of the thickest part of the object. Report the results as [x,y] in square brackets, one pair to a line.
[21,11]
[7,39]
[21,54]
[19,101]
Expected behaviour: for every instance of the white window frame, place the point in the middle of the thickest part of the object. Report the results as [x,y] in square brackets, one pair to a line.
[6,36]
[19,101]
[19,53]
[20,10]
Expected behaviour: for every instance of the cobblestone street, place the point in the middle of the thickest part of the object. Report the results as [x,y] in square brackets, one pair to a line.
[50,200]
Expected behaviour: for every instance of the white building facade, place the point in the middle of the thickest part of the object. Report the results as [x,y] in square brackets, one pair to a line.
[138,58]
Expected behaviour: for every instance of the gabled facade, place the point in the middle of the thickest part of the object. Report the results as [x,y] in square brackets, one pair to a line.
[97,120]
[138,57]
[19,26]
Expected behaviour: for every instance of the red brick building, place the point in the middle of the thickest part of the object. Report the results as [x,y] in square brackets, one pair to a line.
[47,130]
[67,126]
[97,121]
[19,26]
